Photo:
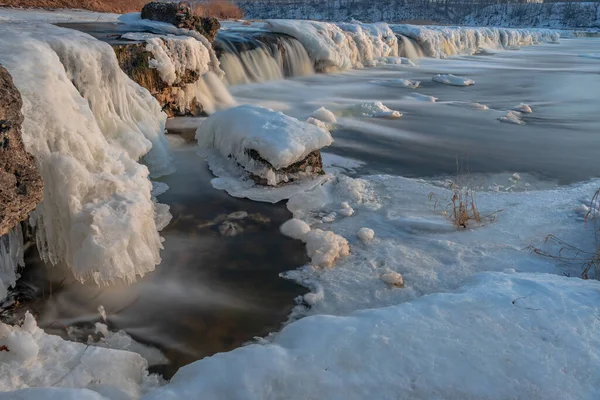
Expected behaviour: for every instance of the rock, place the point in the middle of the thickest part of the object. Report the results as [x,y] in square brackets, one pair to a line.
[134,61]
[182,16]
[21,186]
[311,165]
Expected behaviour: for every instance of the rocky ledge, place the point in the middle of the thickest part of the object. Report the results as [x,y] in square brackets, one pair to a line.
[182,16]
[21,186]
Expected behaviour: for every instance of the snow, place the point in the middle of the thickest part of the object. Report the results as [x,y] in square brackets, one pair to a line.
[324,115]
[512,117]
[295,228]
[400,82]
[365,234]
[36,359]
[11,258]
[500,336]
[393,278]
[279,140]
[88,124]
[374,109]
[449,79]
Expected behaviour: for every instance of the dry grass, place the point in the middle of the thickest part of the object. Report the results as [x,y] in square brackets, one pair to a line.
[570,254]
[221,9]
[461,209]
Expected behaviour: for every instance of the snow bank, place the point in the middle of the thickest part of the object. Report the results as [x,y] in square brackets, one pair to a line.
[449,79]
[11,258]
[278,139]
[323,247]
[445,41]
[35,359]
[500,336]
[342,45]
[374,109]
[87,124]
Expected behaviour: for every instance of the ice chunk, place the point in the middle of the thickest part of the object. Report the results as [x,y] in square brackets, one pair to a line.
[374,109]
[524,108]
[422,97]
[346,210]
[512,117]
[393,278]
[399,82]
[324,115]
[87,124]
[295,228]
[453,80]
[317,123]
[365,234]
[273,136]
[468,104]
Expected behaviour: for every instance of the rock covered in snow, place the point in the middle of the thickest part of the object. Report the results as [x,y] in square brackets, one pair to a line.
[453,80]
[375,109]
[21,187]
[272,147]
[393,278]
[181,15]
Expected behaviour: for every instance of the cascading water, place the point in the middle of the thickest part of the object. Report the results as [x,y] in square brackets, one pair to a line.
[409,48]
[260,57]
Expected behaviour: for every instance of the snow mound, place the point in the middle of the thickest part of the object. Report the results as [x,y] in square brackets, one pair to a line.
[453,80]
[323,247]
[365,234]
[393,279]
[512,117]
[35,359]
[374,109]
[277,139]
[539,332]
[87,124]
[324,115]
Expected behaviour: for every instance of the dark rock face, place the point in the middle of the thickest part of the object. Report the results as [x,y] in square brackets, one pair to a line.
[181,15]
[312,164]
[21,186]
[134,61]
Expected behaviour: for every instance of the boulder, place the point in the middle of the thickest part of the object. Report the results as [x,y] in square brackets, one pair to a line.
[312,164]
[182,16]
[21,186]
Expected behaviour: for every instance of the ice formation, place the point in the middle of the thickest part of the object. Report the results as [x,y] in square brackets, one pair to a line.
[278,139]
[479,333]
[35,359]
[295,228]
[88,124]
[324,115]
[512,117]
[174,57]
[453,80]
[400,82]
[11,258]
[374,109]
[343,45]
[524,108]
[393,278]
[443,41]
[422,97]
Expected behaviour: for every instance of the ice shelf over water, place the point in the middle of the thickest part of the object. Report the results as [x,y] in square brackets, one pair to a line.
[87,124]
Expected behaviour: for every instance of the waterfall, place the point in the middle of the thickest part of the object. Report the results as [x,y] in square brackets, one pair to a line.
[261,57]
[409,48]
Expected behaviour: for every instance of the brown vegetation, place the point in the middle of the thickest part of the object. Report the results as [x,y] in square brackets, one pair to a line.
[221,9]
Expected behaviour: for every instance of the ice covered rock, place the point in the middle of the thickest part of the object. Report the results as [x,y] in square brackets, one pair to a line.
[375,109]
[324,115]
[272,147]
[181,15]
[365,234]
[453,80]
[524,108]
[295,228]
[399,82]
[393,278]
[21,187]
[346,209]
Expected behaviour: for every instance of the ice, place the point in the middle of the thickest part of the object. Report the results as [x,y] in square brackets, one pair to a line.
[365,234]
[449,79]
[393,278]
[374,109]
[324,115]
[512,117]
[524,108]
[11,258]
[468,104]
[399,82]
[591,55]
[87,124]
[422,97]
[373,41]
[318,123]
[346,209]
[36,359]
[295,228]
[445,41]
[500,336]
[278,139]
